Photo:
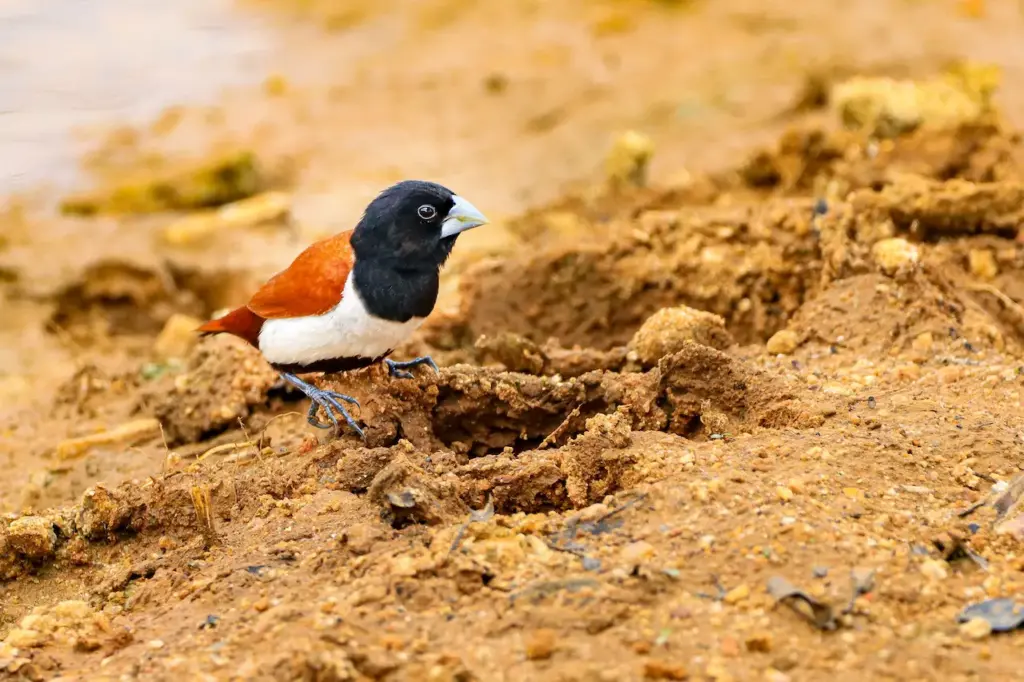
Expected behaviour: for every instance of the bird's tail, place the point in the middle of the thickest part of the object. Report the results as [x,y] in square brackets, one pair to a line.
[241,322]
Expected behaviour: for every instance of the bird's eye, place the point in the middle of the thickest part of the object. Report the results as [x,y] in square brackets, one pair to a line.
[427,212]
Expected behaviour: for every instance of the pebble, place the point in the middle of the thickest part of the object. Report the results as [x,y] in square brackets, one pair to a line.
[784,493]
[923,342]
[976,628]
[627,161]
[783,342]
[934,569]
[177,337]
[737,594]
[983,264]
[637,552]
[541,644]
[664,670]
[759,642]
[33,537]
[894,255]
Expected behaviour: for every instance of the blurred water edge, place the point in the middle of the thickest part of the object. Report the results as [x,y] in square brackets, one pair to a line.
[68,63]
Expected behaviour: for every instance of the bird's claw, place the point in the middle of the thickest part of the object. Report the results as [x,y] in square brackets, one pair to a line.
[330,402]
[398,369]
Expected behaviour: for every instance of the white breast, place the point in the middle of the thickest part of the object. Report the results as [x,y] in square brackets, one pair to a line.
[345,331]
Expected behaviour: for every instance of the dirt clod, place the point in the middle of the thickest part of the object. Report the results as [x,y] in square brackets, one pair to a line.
[33,537]
[407,494]
[783,342]
[895,255]
[665,332]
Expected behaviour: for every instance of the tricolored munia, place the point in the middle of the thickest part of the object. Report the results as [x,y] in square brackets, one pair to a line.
[348,301]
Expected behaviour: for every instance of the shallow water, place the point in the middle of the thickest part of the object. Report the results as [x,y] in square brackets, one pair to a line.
[65,64]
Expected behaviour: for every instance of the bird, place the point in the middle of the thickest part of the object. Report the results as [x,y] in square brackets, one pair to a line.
[347,301]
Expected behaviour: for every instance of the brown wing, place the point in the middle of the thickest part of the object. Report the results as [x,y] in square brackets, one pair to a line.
[311,285]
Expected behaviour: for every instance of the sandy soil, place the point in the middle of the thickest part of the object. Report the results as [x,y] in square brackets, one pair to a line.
[810,479]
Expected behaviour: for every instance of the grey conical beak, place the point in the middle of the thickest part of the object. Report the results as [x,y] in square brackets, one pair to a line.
[463,216]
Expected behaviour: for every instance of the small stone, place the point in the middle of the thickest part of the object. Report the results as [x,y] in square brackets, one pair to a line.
[155,644]
[737,594]
[976,628]
[541,644]
[655,669]
[730,647]
[637,552]
[668,331]
[33,537]
[923,342]
[783,342]
[784,493]
[177,337]
[895,255]
[627,161]
[262,604]
[934,569]
[759,642]
[983,264]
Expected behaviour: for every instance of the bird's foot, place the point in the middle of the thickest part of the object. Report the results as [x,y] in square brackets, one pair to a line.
[397,369]
[329,401]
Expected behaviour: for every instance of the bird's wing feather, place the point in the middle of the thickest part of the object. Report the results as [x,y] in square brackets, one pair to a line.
[311,285]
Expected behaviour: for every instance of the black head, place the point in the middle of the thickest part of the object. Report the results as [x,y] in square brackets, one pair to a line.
[413,225]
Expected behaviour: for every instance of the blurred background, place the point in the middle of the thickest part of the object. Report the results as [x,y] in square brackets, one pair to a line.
[512,103]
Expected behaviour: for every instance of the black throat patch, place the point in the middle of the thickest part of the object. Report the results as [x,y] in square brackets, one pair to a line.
[394,293]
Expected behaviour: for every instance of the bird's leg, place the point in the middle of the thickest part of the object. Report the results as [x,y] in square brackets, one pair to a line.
[329,401]
[397,369]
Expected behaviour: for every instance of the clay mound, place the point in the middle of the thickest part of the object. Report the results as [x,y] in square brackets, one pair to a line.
[475,411]
[751,266]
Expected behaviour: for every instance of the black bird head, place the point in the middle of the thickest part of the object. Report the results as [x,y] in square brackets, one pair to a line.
[413,225]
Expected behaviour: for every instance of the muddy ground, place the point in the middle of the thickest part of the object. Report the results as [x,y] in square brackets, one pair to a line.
[750,411]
